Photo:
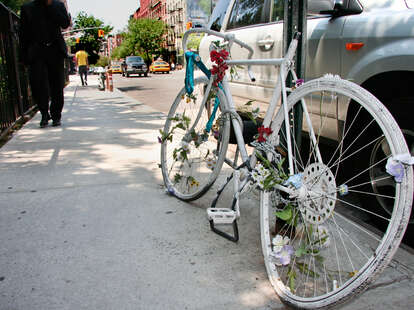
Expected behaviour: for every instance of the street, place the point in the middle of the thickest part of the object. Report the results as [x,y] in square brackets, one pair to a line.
[149,90]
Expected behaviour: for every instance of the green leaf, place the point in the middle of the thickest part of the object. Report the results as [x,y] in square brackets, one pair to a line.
[286,214]
[304,268]
[300,251]
[177,178]
[291,279]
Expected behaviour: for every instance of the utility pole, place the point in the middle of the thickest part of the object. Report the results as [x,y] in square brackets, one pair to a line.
[295,21]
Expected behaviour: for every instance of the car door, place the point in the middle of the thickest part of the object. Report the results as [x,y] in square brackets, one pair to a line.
[324,46]
[259,23]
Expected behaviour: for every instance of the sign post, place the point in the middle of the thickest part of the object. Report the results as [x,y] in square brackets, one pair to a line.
[295,21]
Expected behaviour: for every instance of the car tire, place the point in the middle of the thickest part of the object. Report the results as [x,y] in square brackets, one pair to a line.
[145,74]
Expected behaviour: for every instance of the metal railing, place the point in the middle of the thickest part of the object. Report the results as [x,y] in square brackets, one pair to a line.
[15,94]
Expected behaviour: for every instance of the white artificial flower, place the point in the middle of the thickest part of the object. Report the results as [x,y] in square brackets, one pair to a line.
[185,146]
[278,243]
[321,235]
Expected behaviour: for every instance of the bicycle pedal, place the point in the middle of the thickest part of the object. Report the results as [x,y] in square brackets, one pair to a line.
[221,216]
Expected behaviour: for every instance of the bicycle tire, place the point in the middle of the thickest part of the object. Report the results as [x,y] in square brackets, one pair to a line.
[190,178]
[331,256]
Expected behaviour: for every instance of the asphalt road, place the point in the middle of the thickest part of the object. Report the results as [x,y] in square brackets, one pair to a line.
[157,90]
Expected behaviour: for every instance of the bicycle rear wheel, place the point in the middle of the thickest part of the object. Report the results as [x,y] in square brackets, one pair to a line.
[327,244]
[191,158]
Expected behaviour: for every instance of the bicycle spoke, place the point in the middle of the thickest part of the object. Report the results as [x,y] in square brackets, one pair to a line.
[329,224]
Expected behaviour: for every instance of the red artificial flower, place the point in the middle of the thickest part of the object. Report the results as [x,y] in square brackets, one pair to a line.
[219,70]
[263,131]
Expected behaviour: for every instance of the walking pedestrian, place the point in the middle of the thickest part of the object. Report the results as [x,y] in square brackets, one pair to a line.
[44,50]
[83,64]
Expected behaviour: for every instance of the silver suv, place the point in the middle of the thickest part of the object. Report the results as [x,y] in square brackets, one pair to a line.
[369,42]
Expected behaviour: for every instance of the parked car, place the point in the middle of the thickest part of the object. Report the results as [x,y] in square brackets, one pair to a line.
[159,66]
[134,65]
[116,69]
[382,30]
[369,42]
[97,70]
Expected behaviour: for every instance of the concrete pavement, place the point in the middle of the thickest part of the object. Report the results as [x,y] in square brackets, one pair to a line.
[85,223]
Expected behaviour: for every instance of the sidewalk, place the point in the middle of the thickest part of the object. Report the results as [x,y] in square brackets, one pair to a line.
[85,223]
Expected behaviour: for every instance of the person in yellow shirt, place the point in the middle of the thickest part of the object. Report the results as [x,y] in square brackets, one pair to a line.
[82,63]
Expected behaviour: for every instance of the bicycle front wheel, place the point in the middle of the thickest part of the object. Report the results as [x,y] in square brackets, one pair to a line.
[191,157]
[325,243]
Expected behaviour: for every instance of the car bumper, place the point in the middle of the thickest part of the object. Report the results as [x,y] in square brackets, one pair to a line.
[135,71]
[160,69]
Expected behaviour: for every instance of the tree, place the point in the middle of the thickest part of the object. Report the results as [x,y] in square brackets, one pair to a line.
[103,61]
[14,5]
[89,40]
[193,42]
[145,37]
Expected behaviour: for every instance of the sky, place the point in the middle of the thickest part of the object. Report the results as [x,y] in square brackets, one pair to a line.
[113,12]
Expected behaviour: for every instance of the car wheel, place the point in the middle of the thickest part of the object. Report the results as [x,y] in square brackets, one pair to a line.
[127,75]
[145,74]
[379,186]
[396,106]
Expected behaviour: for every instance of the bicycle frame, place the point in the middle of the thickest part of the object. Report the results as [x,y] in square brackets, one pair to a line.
[280,90]
[305,226]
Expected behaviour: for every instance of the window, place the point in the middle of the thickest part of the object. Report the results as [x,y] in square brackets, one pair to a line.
[277,10]
[246,13]
[134,59]
[217,17]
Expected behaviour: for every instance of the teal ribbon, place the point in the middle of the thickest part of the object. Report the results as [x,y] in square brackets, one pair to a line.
[191,59]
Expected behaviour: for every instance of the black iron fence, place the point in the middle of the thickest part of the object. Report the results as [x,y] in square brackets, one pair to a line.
[15,95]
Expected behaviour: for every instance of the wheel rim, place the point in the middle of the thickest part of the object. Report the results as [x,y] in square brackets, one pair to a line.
[315,252]
[191,161]
[380,186]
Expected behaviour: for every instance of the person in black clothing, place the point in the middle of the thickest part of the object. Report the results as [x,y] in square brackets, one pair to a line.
[43,50]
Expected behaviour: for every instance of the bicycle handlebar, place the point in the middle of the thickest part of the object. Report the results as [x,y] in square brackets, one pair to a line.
[227,37]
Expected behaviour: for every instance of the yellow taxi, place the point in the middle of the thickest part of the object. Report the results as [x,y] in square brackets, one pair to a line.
[116,69]
[159,66]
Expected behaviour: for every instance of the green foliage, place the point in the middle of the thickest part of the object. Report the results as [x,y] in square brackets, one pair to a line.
[193,41]
[103,61]
[286,214]
[291,278]
[205,6]
[90,40]
[144,37]
[14,5]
